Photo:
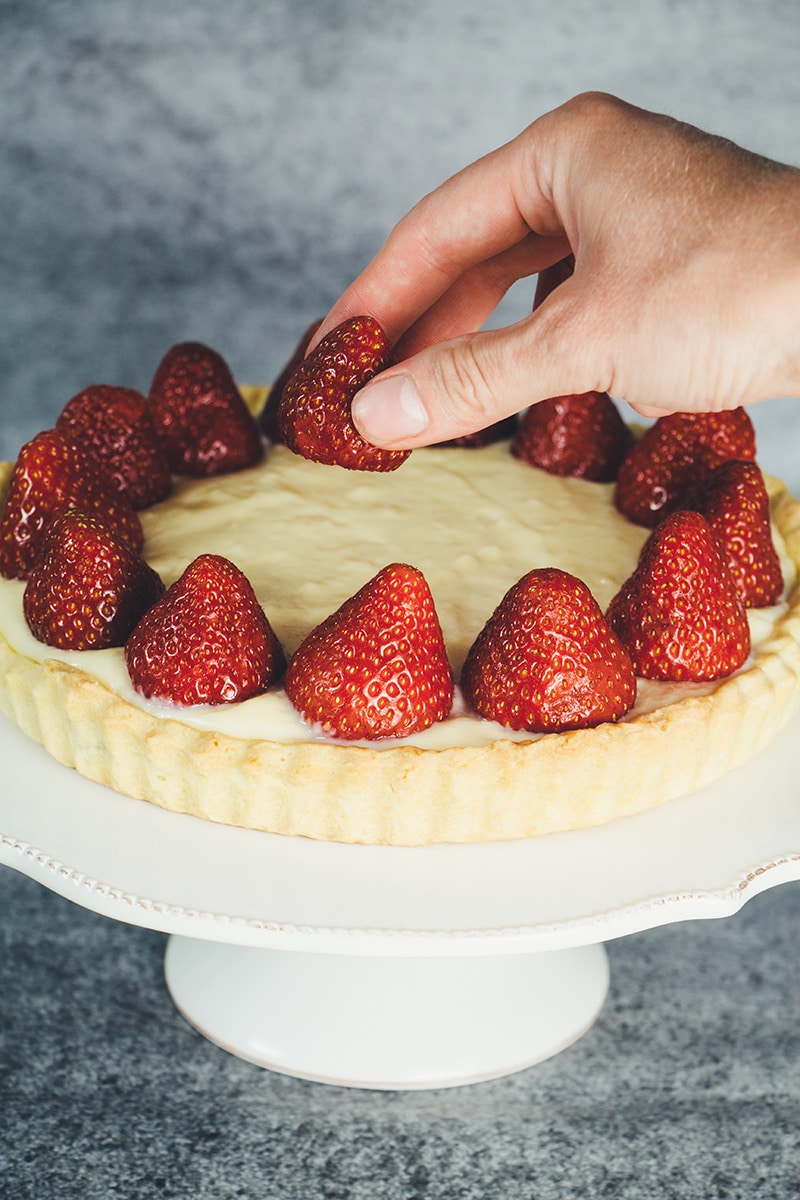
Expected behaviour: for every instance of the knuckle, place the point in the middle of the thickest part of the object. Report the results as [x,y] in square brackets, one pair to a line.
[595,106]
[593,115]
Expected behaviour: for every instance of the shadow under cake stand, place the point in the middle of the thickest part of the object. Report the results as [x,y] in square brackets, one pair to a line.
[386,967]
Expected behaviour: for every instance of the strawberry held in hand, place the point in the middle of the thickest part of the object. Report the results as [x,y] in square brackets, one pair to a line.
[547,661]
[314,415]
[51,475]
[674,456]
[269,415]
[206,641]
[680,615]
[116,425]
[582,436]
[88,588]
[377,667]
[203,423]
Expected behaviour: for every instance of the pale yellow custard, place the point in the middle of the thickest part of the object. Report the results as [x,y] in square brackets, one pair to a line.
[497,517]
[309,536]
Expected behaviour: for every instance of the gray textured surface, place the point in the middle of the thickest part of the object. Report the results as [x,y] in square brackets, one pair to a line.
[220,171]
[687,1085]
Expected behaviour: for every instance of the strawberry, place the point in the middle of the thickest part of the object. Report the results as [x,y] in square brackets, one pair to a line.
[206,641]
[679,614]
[552,277]
[546,660]
[735,502]
[88,588]
[314,415]
[52,474]
[582,435]
[485,437]
[269,414]
[674,456]
[203,423]
[377,667]
[115,424]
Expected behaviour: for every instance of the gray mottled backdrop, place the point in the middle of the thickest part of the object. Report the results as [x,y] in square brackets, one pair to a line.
[220,171]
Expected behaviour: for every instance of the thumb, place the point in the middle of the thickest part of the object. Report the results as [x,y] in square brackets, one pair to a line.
[464,385]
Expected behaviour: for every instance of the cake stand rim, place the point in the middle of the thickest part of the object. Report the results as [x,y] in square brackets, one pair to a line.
[49,851]
[164,917]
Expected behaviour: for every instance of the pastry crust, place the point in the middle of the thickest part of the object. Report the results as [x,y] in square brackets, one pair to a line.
[406,795]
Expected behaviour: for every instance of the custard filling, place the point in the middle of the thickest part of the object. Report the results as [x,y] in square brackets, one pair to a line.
[309,536]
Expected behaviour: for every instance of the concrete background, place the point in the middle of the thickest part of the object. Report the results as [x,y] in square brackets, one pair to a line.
[221,171]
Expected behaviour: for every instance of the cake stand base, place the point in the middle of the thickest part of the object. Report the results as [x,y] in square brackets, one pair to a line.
[387,1022]
[397,967]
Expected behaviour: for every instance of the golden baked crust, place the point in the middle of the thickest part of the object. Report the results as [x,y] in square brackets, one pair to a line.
[407,795]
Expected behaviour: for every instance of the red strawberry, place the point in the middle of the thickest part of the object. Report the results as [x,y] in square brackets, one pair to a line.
[551,277]
[314,414]
[88,588]
[269,414]
[679,614]
[116,425]
[485,437]
[51,475]
[206,641]
[674,456]
[546,660]
[377,667]
[204,425]
[582,435]
[735,502]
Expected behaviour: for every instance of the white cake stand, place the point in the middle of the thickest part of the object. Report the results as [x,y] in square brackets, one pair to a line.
[383,967]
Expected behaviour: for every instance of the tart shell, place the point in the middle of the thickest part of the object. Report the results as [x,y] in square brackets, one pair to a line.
[405,795]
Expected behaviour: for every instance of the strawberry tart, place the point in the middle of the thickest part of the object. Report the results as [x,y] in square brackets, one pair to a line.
[220,600]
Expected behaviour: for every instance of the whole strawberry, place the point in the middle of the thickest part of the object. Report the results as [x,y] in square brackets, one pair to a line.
[546,660]
[269,414]
[88,588]
[116,425]
[581,435]
[552,277]
[735,502]
[314,414]
[377,667]
[51,475]
[674,456]
[206,641]
[202,422]
[679,614]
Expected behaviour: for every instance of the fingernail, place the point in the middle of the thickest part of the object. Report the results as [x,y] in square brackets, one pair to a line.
[389,410]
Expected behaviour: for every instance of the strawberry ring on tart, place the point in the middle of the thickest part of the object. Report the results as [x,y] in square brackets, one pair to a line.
[467,737]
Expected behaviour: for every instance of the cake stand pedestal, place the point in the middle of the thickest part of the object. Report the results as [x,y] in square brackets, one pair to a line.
[381,1022]
[387,967]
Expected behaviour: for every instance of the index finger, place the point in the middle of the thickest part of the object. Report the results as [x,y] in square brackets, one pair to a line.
[475,216]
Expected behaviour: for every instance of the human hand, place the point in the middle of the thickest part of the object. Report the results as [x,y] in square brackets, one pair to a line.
[684,294]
